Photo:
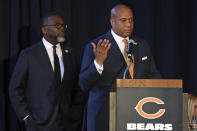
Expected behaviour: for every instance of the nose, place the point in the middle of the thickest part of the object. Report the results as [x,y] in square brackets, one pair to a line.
[129,23]
[61,28]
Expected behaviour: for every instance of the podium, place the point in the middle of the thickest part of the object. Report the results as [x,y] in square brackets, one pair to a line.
[146,104]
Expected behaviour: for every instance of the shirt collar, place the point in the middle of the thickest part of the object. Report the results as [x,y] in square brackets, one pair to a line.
[118,38]
[48,44]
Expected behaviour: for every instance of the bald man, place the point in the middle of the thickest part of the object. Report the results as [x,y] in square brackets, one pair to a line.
[104,61]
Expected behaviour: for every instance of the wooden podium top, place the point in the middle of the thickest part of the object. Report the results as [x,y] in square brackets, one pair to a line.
[151,83]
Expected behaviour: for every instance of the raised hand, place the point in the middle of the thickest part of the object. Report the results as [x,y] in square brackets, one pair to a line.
[101,50]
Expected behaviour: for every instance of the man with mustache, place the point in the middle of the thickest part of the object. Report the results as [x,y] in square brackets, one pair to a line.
[43,88]
[105,60]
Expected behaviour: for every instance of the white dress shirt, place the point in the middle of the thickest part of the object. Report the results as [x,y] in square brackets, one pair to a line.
[119,41]
[49,49]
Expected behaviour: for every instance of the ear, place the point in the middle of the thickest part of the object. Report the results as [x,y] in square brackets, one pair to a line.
[112,21]
[44,30]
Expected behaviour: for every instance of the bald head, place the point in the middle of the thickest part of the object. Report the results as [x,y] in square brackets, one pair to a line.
[122,20]
[118,9]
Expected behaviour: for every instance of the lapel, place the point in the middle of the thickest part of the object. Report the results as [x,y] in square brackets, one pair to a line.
[115,50]
[44,60]
[136,50]
[65,53]
[136,55]
[116,56]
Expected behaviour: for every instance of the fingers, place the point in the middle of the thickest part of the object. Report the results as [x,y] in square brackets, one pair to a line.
[108,47]
[94,46]
[101,50]
[106,44]
[103,44]
[99,43]
[26,121]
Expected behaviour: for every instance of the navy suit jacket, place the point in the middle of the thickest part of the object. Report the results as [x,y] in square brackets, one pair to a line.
[99,85]
[34,91]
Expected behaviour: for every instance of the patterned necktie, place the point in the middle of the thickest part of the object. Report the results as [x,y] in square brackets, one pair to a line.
[131,69]
[56,66]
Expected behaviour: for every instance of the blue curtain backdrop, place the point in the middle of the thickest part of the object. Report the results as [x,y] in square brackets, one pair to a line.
[169,26]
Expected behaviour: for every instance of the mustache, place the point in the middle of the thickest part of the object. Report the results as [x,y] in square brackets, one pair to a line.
[55,33]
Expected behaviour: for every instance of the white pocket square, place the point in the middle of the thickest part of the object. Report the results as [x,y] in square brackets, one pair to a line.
[144,58]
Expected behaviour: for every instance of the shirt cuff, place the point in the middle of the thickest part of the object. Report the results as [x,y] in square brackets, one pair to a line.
[26,117]
[98,67]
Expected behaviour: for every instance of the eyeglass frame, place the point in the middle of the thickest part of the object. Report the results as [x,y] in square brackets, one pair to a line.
[57,25]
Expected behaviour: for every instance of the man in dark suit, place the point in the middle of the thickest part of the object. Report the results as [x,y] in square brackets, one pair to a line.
[104,61]
[43,87]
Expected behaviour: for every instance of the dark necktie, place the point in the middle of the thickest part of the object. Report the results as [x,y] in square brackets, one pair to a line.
[56,66]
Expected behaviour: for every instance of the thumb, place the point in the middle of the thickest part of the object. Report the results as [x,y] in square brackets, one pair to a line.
[94,46]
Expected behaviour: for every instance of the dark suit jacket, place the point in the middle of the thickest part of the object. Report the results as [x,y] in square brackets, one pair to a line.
[114,66]
[34,92]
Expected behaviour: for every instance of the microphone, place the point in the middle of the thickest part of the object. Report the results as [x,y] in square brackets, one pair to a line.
[131,44]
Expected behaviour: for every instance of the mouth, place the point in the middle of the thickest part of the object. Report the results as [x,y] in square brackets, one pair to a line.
[61,34]
[128,31]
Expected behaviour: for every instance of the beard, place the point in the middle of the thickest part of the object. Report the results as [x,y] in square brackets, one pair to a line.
[60,39]
[55,36]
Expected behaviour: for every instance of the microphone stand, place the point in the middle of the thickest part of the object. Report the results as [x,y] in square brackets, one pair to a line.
[125,71]
[130,48]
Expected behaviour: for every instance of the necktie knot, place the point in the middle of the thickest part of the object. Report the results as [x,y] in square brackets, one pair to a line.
[125,41]
[54,47]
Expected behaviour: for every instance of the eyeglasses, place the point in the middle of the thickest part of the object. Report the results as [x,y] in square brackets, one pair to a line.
[57,25]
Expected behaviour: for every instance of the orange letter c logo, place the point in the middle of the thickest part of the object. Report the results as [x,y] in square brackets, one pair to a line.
[146,115]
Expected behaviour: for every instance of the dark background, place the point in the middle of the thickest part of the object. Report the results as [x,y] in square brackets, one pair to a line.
[169,26]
